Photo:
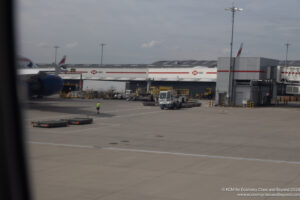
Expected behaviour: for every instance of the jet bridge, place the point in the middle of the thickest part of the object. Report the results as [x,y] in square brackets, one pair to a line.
[290,78]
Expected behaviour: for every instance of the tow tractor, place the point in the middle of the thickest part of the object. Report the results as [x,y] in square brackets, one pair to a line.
[170,100]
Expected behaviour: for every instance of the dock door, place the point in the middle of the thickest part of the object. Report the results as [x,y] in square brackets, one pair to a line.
[222,98]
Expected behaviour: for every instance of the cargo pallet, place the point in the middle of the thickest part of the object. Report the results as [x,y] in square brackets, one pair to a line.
[50,124]
[79,121]
[62,122]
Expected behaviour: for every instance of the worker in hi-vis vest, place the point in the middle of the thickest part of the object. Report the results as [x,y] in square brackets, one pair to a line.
[98,107]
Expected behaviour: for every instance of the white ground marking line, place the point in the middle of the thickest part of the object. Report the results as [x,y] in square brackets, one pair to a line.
[63,145]
[170,153]
[202,155]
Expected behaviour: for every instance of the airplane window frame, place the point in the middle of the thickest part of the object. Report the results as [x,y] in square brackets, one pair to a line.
[14,179]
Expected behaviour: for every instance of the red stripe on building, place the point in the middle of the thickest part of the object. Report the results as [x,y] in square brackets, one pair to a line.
[211,72]
[125,72]
[243,71]
[290,72]
[223,71]
[168,72]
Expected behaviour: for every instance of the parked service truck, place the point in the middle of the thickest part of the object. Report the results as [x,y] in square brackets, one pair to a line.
[170,100]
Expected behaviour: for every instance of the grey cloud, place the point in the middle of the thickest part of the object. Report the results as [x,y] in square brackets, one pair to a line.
[189,29]
[43,45]
[71,45]
[150,44]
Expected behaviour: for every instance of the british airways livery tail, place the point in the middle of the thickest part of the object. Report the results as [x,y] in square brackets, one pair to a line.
[62,62]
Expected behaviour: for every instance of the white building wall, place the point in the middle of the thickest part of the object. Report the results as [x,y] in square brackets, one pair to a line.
[290,74]
[194,74]
[104,85]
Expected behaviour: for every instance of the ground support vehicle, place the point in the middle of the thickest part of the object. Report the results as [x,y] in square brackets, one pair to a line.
[119,95]
[170,100]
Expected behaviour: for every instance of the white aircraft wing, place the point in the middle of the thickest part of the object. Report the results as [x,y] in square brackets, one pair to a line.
[34,71]
[27,68]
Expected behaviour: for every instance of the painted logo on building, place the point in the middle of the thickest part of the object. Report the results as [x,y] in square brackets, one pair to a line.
[195,72]
[94,71]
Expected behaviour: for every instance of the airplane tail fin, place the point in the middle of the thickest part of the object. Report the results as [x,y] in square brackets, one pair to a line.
[238,55]
[240,50]
[61,65]
[62,62]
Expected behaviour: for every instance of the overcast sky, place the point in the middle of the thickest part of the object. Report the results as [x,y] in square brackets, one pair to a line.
[145,31]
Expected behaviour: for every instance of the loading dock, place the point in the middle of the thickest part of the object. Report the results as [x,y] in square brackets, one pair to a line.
[253,80]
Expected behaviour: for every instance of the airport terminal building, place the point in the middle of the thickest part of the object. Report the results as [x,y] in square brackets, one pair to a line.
[196,76]
[254,79]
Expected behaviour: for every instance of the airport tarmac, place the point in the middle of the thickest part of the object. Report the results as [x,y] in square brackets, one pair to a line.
[137,152]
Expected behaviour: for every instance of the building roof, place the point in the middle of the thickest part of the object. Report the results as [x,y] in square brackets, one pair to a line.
[159,64]
[189,63]
[162,64]
[290,63]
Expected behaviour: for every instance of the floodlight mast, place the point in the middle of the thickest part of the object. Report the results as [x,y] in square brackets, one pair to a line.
[233,10]
[102,45]
[286,53]
[55,47]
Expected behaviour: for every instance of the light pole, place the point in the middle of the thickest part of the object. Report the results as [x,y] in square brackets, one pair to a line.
[102,45]
[286,53]
[55,47]
[233,10]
